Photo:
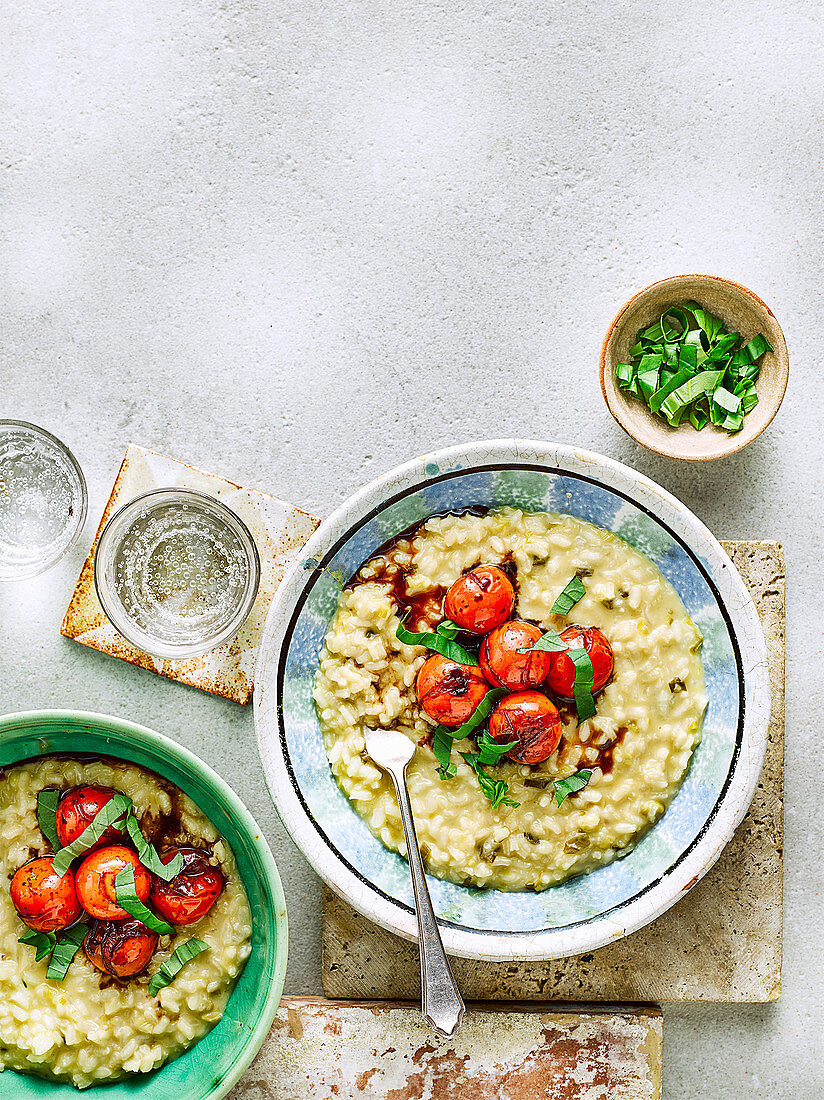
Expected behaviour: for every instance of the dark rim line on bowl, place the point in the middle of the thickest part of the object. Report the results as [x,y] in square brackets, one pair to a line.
[330,553]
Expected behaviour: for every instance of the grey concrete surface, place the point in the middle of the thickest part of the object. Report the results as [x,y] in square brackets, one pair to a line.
[297,243]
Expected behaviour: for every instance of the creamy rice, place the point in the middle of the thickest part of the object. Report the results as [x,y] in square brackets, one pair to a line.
[638,745]
[90,1029]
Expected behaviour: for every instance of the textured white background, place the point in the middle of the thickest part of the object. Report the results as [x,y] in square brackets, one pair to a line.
[296,243]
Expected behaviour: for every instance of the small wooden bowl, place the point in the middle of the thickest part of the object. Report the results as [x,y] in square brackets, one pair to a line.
[741,311]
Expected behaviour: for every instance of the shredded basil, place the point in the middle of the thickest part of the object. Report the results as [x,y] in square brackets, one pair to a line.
[42,942]
[572,783]
[446,646]
[572,592]
[442,749]
[443,736]
[496,790]
[550,642]
[108,814]
[447,629]
[169,970]
[490,751]
[66,948]
[124,892]
[584,681]
[46,809]
[148,855]
[686,365]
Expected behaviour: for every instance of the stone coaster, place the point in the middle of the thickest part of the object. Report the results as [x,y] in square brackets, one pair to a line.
[357,1050]
[721,943]
[279,530]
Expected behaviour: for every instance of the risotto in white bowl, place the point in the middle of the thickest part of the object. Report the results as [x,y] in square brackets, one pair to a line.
[508,823]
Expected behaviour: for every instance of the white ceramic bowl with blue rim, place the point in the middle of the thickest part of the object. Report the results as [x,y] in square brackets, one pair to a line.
[590,910]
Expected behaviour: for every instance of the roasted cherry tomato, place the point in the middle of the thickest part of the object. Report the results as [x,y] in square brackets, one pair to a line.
[504,666]
[480,600]
[192,892]
[95,881]
[449,692]
[561,678]
[529,718]
[122,947]
[42,898]
[75,811]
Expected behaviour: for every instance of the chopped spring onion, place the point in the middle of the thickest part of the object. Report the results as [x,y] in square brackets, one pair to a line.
[169,970]
[572,592]
[687,366]
[572,783]
[441,643]
[148,855]
[109,814]
[46,809]
[124,892]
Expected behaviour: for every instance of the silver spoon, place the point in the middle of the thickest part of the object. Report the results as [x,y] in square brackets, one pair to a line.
[442,1005]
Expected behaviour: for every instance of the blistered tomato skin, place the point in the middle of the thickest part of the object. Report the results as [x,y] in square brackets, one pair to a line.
[95,881]
[449,692]
[192,892]
[44,900]
[122,948]
[561,678]
[480,600]
[77,808]
[504,666]
[532,720]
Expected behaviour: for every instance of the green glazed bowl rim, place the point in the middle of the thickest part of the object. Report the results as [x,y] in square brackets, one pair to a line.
[20,721]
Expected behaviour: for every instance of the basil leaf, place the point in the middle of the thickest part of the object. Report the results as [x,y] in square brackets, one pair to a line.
[169,970]
[442,749]
[109,814]
[550,642]
[572,783]
[42,942]
[447,629]
[444,735]
[496,790]
[584,680]
[490,751]
[67,947]
[148,854]
[445,646]
[572,592]
[46,809]
[124,892]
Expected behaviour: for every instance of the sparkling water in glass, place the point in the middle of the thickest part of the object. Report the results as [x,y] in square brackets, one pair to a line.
[42,500]
[176,572]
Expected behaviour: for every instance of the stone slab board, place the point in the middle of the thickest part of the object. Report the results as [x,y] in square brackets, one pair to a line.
[355,1050]
[279,531]
[720,943]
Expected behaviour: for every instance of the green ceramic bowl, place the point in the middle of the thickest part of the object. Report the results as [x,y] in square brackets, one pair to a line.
[212,1066]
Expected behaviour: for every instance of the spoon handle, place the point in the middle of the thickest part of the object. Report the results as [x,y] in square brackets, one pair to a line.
[442,1004]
